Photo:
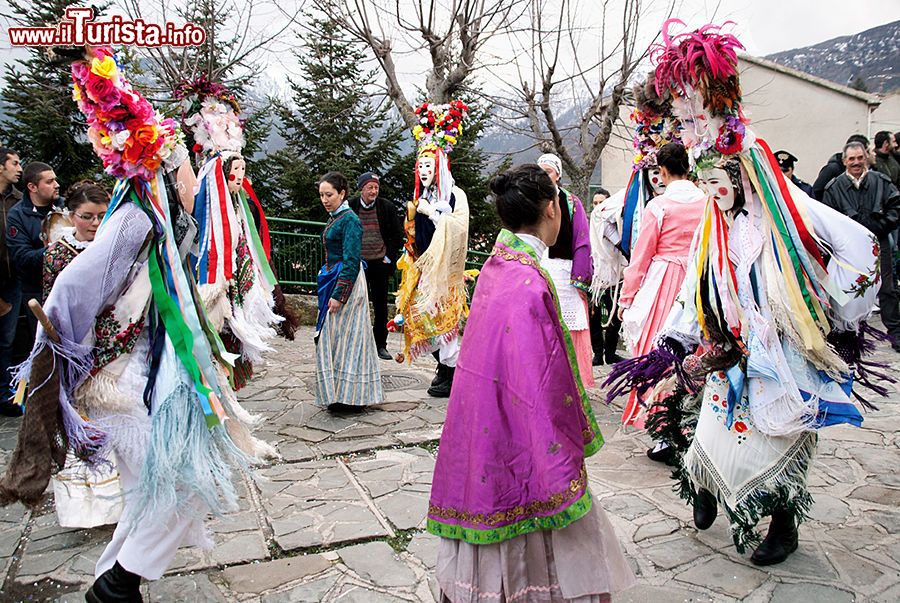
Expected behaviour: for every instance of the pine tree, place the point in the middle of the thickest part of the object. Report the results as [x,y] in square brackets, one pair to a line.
[42,121]
[332,124]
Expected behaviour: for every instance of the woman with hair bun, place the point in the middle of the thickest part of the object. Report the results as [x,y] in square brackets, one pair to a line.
[347,373]
[510,497]
[87,203]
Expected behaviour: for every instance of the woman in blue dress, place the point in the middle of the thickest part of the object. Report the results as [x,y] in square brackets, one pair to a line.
[347,373]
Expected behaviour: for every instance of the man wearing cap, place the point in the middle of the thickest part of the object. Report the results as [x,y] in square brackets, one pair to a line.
[381,243]
[786,161]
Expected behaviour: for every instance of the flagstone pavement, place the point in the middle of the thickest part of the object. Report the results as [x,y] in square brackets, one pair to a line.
[341,517]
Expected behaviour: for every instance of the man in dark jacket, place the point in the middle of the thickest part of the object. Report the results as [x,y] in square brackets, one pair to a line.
[381,243]
[872,200]
[884,157]
[834,167]
[10,172]
[23,231]
[786,161]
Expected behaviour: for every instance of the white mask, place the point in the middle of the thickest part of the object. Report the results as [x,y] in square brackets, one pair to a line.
[716,183]
[656,181]
[236,177]
[425,167]
[698,124]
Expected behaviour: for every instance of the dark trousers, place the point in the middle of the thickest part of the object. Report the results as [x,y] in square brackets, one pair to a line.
[378,276]
[13,296]
[888,296]
[604,340]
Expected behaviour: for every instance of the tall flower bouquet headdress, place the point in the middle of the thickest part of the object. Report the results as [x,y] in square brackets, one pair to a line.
[210,115]
[129,136]
[654,128]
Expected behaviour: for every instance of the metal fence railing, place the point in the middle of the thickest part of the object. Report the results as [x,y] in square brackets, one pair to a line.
[297,254]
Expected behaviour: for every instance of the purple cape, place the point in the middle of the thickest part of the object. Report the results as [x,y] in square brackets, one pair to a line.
[519,424]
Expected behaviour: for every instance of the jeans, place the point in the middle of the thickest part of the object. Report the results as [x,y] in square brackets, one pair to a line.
[13,296]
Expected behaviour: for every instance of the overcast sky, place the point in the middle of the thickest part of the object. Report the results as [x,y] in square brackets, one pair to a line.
[763,26]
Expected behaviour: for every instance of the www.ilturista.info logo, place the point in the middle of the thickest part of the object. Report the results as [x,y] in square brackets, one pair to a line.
[78,28]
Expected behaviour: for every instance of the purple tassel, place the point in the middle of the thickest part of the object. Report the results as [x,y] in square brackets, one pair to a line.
[852,347]
[642,373]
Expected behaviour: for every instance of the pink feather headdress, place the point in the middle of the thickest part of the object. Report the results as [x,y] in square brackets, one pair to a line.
[704,59]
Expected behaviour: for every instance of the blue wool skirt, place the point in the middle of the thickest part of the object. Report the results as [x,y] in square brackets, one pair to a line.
[347,369]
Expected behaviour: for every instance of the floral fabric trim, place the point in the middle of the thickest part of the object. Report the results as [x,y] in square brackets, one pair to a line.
[555,521]
[243,275]
[111,340]
[57,257]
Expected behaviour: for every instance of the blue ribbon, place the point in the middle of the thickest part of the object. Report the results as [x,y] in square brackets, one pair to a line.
[326,281]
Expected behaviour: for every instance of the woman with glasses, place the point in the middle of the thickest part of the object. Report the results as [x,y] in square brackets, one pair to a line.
[87,204]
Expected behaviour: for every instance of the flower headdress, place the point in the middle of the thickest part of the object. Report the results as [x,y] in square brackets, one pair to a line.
[654,125]
[210,114]
[440,126]
[700,69]
[128,135]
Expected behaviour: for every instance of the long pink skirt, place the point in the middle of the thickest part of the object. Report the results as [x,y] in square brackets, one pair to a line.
[581,563]
[644,319]
[584,353]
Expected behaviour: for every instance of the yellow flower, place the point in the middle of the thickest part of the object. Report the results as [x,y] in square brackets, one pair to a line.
[450,139]
[76,93]
[105,68]
[417,131]
[638,158]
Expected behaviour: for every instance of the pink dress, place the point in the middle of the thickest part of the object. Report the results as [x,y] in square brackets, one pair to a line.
[656,271]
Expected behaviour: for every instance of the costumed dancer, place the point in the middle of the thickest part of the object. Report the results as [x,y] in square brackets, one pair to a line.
[657,268]
[510,497]
[770,312]
[431,302]
[347,373]
[83,497]
[568,261]
[654,127]
[125,343]
[231,265]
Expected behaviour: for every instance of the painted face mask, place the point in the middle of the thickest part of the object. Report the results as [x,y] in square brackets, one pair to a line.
[236,176]
[656,182]
[425,167]
[700,128]
[716,183]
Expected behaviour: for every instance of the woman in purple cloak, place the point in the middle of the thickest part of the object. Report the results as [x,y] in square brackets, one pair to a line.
[510,497]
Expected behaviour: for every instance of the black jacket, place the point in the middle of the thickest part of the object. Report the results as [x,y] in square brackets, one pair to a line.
[23,241]
[803,186]
[875,205]
[390,223]
[8,200]
[832,169]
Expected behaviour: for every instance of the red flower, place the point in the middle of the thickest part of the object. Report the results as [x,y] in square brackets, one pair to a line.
[740,427]
[197,148]
[875,249]
[862,279]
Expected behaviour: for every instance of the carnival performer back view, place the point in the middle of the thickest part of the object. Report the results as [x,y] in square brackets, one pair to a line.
[127,345]
[568,261]
[231,264]
[431,302]
[768,319]
[510,497]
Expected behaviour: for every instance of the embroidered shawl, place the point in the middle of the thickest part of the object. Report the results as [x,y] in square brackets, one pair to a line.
[519,424]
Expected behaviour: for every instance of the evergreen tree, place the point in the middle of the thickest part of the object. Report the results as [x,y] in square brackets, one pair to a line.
[42,121]
[332,125]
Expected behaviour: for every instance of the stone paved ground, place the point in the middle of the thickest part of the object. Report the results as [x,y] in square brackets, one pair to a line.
[341,517]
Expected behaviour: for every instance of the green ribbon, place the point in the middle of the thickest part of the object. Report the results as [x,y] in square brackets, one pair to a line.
[257,243]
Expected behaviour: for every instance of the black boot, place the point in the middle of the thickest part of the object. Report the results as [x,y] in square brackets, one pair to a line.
[705,509]
[442,388]
[662,453]
[780,541]
[438,372]
[115,585]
